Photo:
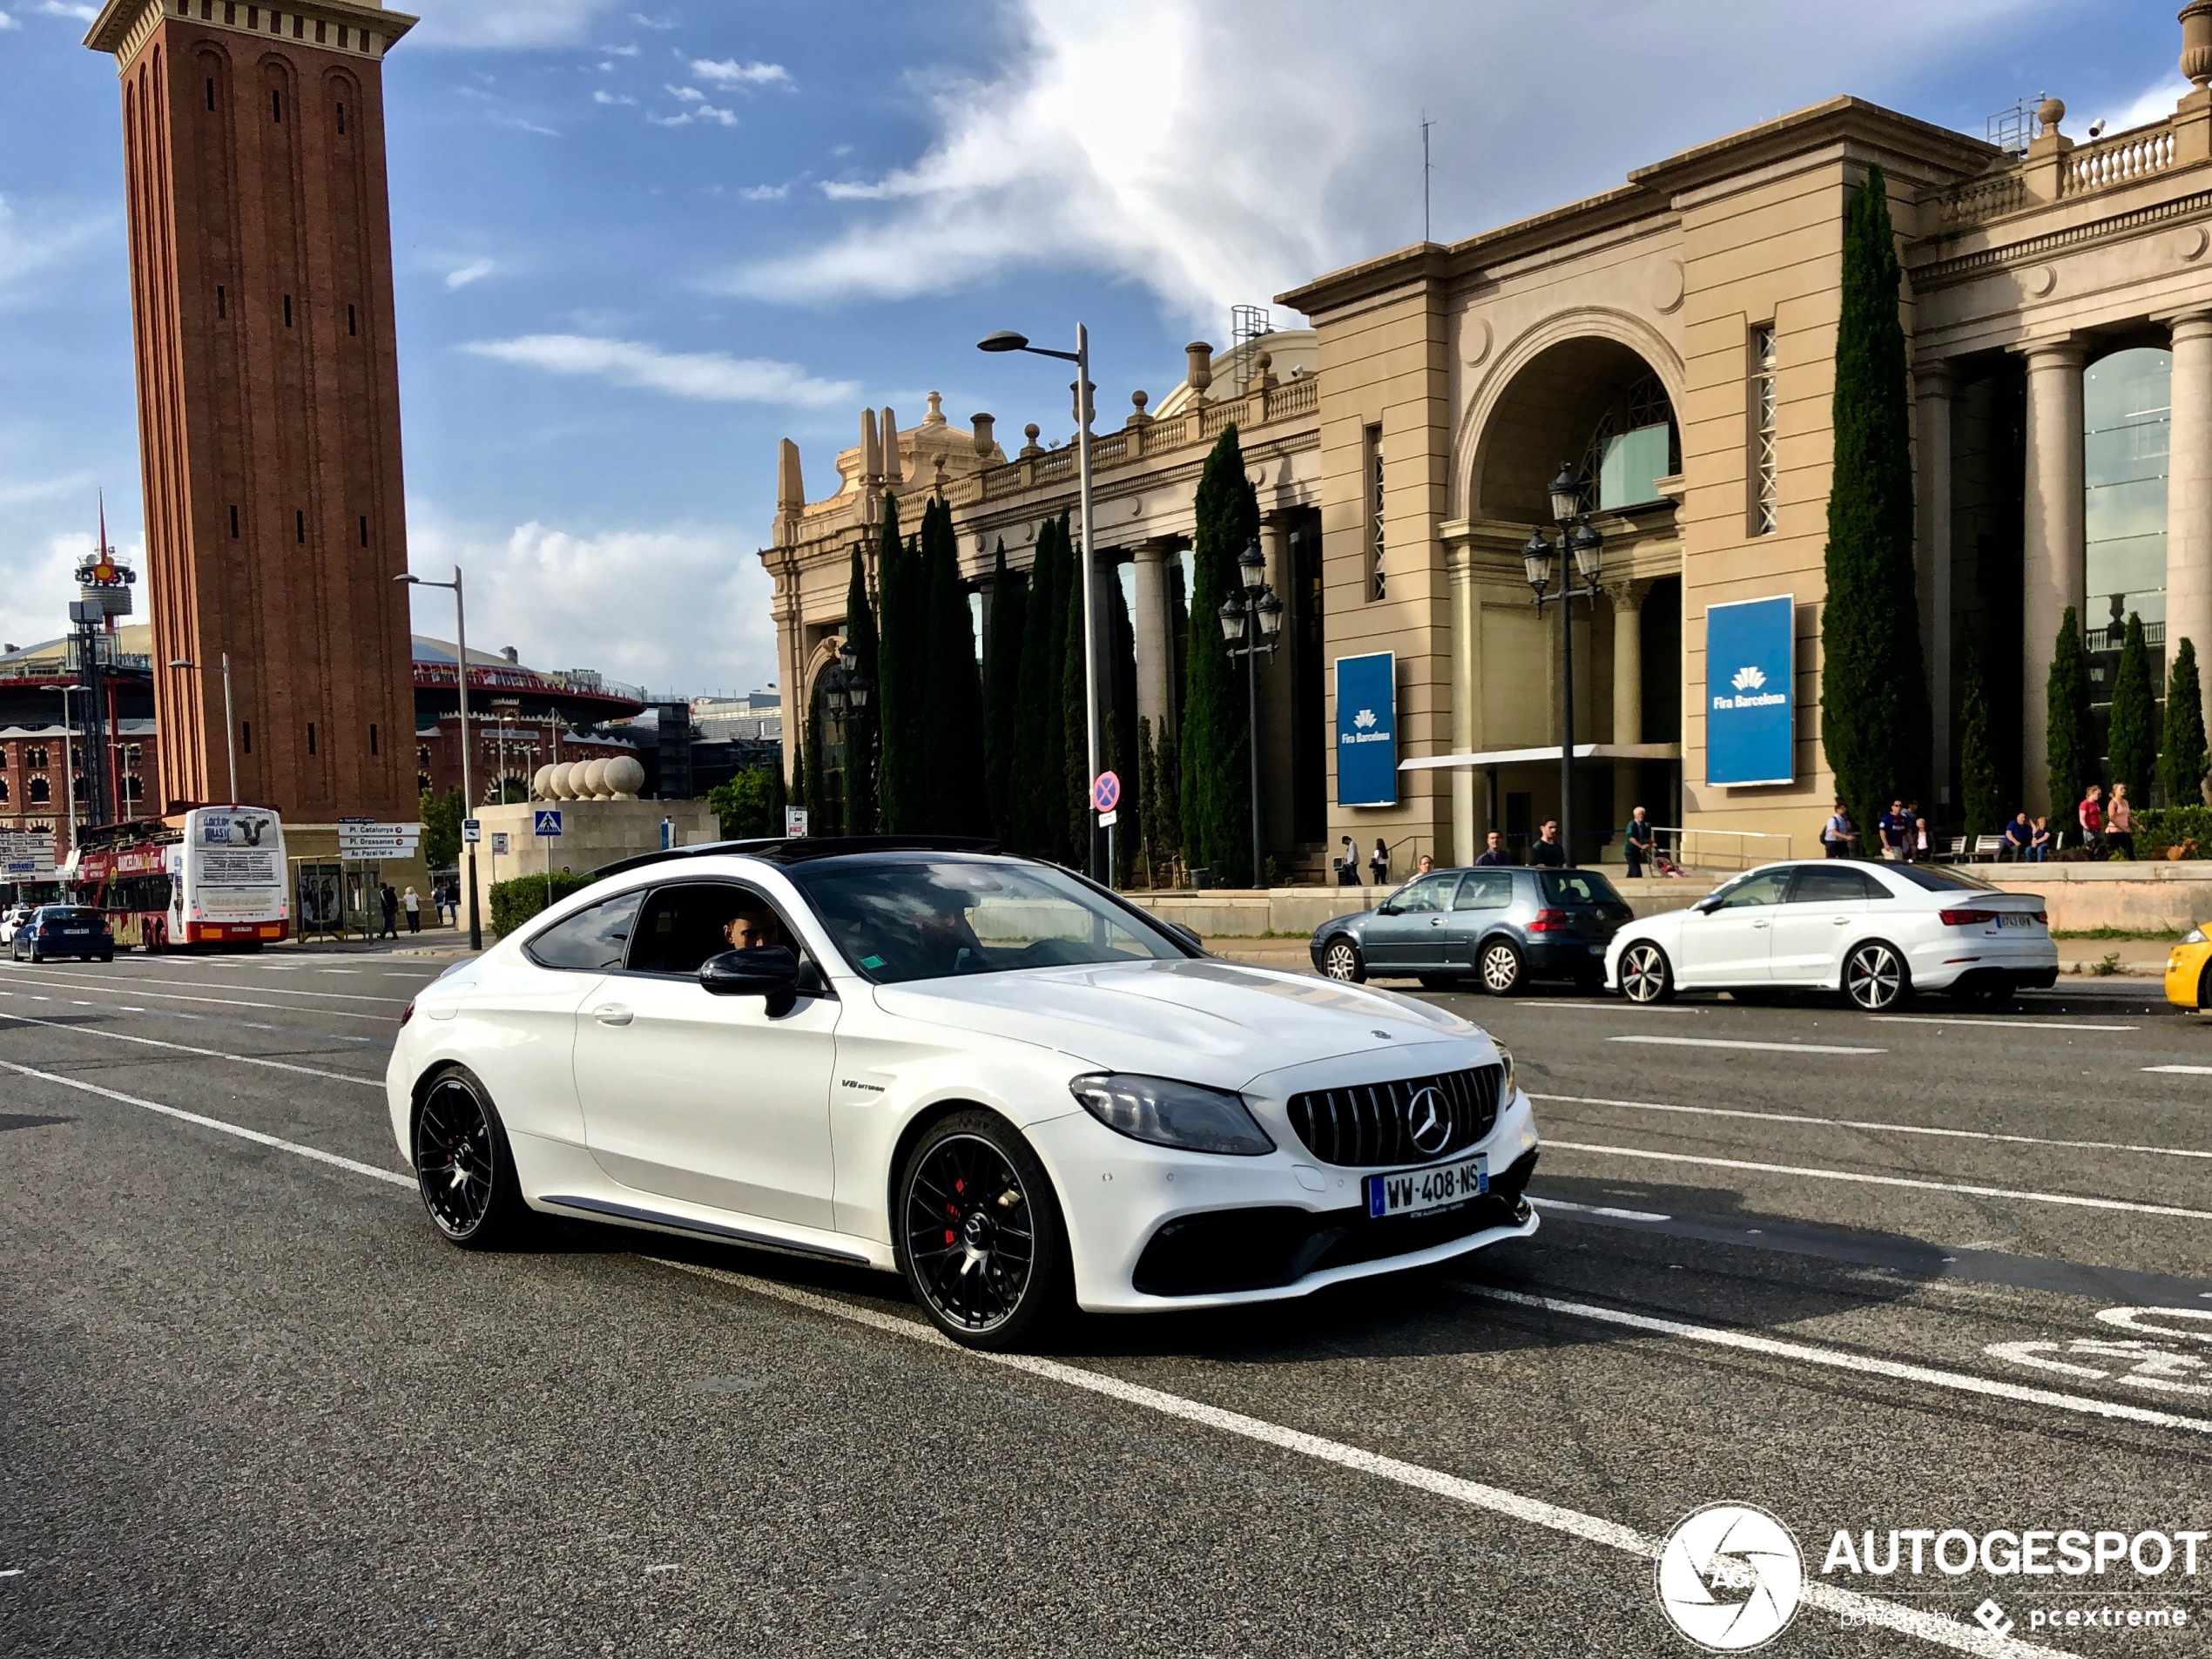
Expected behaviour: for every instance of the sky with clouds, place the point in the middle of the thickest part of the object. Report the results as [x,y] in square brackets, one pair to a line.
[635,247]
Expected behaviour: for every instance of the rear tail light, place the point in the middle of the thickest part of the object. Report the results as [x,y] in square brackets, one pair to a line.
[1548,922]
[1967,917]
[406,1013]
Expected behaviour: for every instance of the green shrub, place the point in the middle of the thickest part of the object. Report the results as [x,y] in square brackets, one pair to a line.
[2164,826]
[514,901]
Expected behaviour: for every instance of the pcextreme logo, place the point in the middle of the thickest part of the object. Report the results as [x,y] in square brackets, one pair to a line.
[1730,1577]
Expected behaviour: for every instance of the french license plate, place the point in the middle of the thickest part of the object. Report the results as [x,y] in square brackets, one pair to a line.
[1409,1192]
[2013,919]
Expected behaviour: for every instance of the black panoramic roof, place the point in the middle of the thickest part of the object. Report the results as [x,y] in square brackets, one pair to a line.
[805,849]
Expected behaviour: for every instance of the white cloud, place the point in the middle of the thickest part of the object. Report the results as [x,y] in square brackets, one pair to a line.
[44,489]
[6,22]
[512,23]
[2155,104]
[701,110]
[38,578]
[764,192]
[687,94]
[36,242]
[677,608]
[631,51]
[461,276]
[523,124]
[730,72]
[643,21]
[605,97]
[712,377]
[57,9]
[1111,141]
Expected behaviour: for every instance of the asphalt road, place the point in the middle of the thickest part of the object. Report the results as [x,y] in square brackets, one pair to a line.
[1864,1273]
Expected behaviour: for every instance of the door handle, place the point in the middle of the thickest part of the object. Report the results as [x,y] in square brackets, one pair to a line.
[1759,924]
[1436,921]
[613,1013]
[1842,922]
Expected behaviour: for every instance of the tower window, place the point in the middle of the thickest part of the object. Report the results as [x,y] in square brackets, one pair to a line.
[341,111]
[287,311]
[320,37]
[351,328]
[211,92]
[299,526]
[1763,492]
[364,529]
[222,308]
[276,105]
[245,735]
[311,737]
[1377,581]
[372,737]
[233,523]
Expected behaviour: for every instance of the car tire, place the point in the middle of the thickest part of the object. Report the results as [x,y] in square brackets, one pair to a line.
[1340,959]
[1875,978]
[464,1166]
[107,956]
[977,1231]
[1500,967]
[1646,975]
[2204,988]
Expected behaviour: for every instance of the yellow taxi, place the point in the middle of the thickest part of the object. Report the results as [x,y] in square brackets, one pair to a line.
[2186,985]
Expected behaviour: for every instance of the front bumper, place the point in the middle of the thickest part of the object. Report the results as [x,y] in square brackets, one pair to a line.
[2185,974]
[1151,1228]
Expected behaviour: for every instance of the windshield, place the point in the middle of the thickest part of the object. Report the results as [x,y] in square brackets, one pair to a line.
[1938,878]
[931,918]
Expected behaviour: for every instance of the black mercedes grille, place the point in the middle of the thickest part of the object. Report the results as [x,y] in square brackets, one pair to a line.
[1366,1124]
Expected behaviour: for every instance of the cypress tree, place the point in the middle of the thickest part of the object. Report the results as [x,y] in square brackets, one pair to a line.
[1036,717]
[2181,761]
[1216,761]
[2131,742]
[902,620]
[953,711]
[1148,800]
[1002,692]
[1873,689]
[1073,795]
[860,723]
[1981,813]
[797,725]
[1169,811]
[2072,768]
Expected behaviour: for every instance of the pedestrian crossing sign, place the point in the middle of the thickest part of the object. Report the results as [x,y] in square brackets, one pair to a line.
[549,820]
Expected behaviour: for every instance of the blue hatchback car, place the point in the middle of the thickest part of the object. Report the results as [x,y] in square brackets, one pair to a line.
[1498,927]
[64,930]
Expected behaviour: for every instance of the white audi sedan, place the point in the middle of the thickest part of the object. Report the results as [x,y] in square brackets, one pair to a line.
[1875,932]
[984,1072]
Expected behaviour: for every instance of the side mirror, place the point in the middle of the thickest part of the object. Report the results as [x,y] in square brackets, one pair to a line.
[772,972]
[1706,905]
[1387,908]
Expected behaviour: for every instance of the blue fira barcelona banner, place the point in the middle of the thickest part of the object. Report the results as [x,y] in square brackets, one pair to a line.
[1751,692]
[1367,730]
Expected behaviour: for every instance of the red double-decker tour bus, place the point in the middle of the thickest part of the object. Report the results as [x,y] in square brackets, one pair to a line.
[213,876]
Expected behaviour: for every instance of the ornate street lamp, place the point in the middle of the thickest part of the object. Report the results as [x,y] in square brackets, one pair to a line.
[1252,621]
[1544,561]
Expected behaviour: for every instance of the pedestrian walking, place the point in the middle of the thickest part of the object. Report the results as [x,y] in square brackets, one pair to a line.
[1837,835]
[1379,863]
[2090,814]
[1548,854]
[1918,854]
[2120,823]
[412,903]
[1347,863]
[1638,839]
[389,903]
[1892,827]
[1494,850]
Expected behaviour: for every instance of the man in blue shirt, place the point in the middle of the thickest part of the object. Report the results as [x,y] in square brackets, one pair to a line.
[1494,851]
[2020,835]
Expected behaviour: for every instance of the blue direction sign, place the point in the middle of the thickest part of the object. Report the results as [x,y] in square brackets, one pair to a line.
[548,821]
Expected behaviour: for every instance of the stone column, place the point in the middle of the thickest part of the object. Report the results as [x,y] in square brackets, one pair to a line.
[1628,692]
[2189,490]
[1934,387]
[1155,640]
[2051,561]
[1467,693]
[1276,712]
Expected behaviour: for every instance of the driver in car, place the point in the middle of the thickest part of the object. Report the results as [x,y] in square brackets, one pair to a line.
[754,928]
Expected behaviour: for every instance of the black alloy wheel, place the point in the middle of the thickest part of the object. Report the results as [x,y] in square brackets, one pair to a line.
[1340,961]
[980,1236]
[1646,975]
[463,1165]
[1875,976]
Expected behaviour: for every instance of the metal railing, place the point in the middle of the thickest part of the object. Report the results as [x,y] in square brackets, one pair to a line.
[1694,849]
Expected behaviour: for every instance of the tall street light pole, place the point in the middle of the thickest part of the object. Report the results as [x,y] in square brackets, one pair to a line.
[69,763]
[1006,340]
[1540,558]
[230,725]
[467,789]
[1252,621]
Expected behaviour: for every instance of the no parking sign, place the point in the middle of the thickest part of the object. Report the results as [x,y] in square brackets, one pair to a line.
[1105,792]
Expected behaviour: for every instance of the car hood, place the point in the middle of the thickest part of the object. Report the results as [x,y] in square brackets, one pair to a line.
[1203,1021]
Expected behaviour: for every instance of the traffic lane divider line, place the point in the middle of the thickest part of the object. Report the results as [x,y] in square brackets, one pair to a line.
[2075,1199]
[1840,1359]
[200,1019]
[2010,1025]
[218,1001]
[216,1124]
[1908,1621]
[186,1047]
[1737,1043]
[1901,1129]
[234,985]
[2187,1071]
[1596,1210]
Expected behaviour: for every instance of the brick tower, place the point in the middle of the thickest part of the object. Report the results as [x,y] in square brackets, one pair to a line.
[268,397]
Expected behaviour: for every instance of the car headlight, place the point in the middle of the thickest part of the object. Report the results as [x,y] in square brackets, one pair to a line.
[2195,936]
[1166,1113]
[1505,1059]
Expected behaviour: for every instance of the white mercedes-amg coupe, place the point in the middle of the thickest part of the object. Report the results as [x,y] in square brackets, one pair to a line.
[984,1072]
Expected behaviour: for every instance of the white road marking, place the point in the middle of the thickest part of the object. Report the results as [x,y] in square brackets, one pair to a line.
[2151,1365]
[266,990]
[185,1047]
[2187,1071]
[220,1002]
[665,1567]
[1887,1180]
[243,1133]
[1908,1621]
[1731,1042]
[11,1572]
[1901,1129]
[1597,1210]
[1839,1359]
[2013,1025]
[1621,1007]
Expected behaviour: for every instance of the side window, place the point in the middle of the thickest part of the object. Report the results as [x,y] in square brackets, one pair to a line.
[1430,892]
[1485,890]
[683,924]
[1765,888]
[592,940]
[1829,884]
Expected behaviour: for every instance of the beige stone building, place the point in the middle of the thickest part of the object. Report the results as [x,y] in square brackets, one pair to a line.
[1672,342]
